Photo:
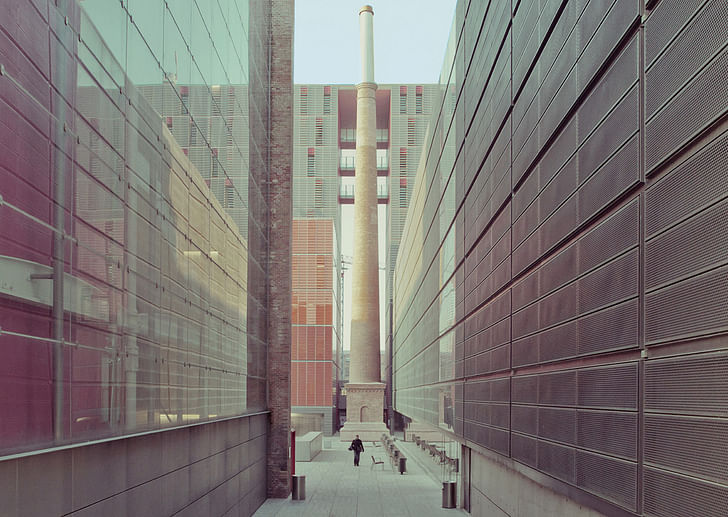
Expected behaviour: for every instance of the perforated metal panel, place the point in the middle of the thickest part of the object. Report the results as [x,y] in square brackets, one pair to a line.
[698,305]
[524,419]
[697,244]
[557,424]
[609,477]
[525,449]
[696,446]
[618,233]
[669,494]
[557,388]
[697,105]
[557,460]
[609,329]
[608,432]
[609,387]
[692,185]
[688,385]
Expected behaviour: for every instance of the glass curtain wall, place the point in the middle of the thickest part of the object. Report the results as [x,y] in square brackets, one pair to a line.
[133,243]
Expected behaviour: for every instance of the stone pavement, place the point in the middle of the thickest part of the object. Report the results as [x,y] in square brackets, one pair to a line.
[335,488]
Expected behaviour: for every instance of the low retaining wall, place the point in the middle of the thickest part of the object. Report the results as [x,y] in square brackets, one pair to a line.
[308,445]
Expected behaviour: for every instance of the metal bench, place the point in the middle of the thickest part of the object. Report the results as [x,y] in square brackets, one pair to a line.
[376,462]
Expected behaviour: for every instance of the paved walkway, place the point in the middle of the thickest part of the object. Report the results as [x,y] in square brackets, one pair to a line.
[335,488]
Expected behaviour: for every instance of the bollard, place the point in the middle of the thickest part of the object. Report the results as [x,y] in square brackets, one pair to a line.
[449,494]
[299,488]
[402,464]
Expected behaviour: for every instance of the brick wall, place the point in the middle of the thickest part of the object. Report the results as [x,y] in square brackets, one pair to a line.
[279,269]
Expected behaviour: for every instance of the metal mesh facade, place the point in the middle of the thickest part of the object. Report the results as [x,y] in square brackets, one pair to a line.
[560,288]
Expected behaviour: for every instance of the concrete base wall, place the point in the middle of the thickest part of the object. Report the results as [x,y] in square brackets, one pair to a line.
[308,446]
[302,419]
[499,491]
[212,469]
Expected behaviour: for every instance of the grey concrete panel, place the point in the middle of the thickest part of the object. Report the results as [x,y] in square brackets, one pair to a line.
[93,480]
[9,487]
[115,506]
[146,499]
[197,509]
[217,469]
[175,449]
[200,478]
[218,437]
[232,433]
[245,485]
[200,440]
[232,490]
[232,461]
[143,459]
[257,449]
[44,484]
[218,500]
[244,455]
[484,507]
[258,425]
[244,429]
[175,490]
[245,507]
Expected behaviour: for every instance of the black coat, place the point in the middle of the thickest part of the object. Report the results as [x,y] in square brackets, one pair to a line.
[356,445]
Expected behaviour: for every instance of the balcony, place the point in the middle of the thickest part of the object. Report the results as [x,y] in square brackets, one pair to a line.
[346,193]
[347,162]
[348,135]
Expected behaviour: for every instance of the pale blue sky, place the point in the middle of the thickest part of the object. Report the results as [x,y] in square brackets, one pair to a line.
[410,37]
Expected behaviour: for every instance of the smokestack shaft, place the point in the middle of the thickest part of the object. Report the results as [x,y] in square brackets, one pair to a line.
[366,43]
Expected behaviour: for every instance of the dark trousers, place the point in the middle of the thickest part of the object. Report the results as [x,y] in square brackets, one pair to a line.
[356,458]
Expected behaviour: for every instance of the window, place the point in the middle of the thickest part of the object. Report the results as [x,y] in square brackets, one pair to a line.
[402,99]
[216,108]
[311,163]
[304,131]
[411,131]
[169,123]
[215,163]
[418,99]
[403,192]
[327,99]
[402,161]
[382,159]
[319,193]
[184,93]
[193,134]
[304,101]
[319,131]
[348,134]
[346,160]
[230,101]
[228,194]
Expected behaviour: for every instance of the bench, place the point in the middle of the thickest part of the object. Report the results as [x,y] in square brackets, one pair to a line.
[376,462]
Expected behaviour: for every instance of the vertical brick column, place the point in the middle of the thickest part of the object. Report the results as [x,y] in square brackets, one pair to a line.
[279,267]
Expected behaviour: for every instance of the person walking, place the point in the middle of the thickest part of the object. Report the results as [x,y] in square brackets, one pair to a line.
[358,447]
